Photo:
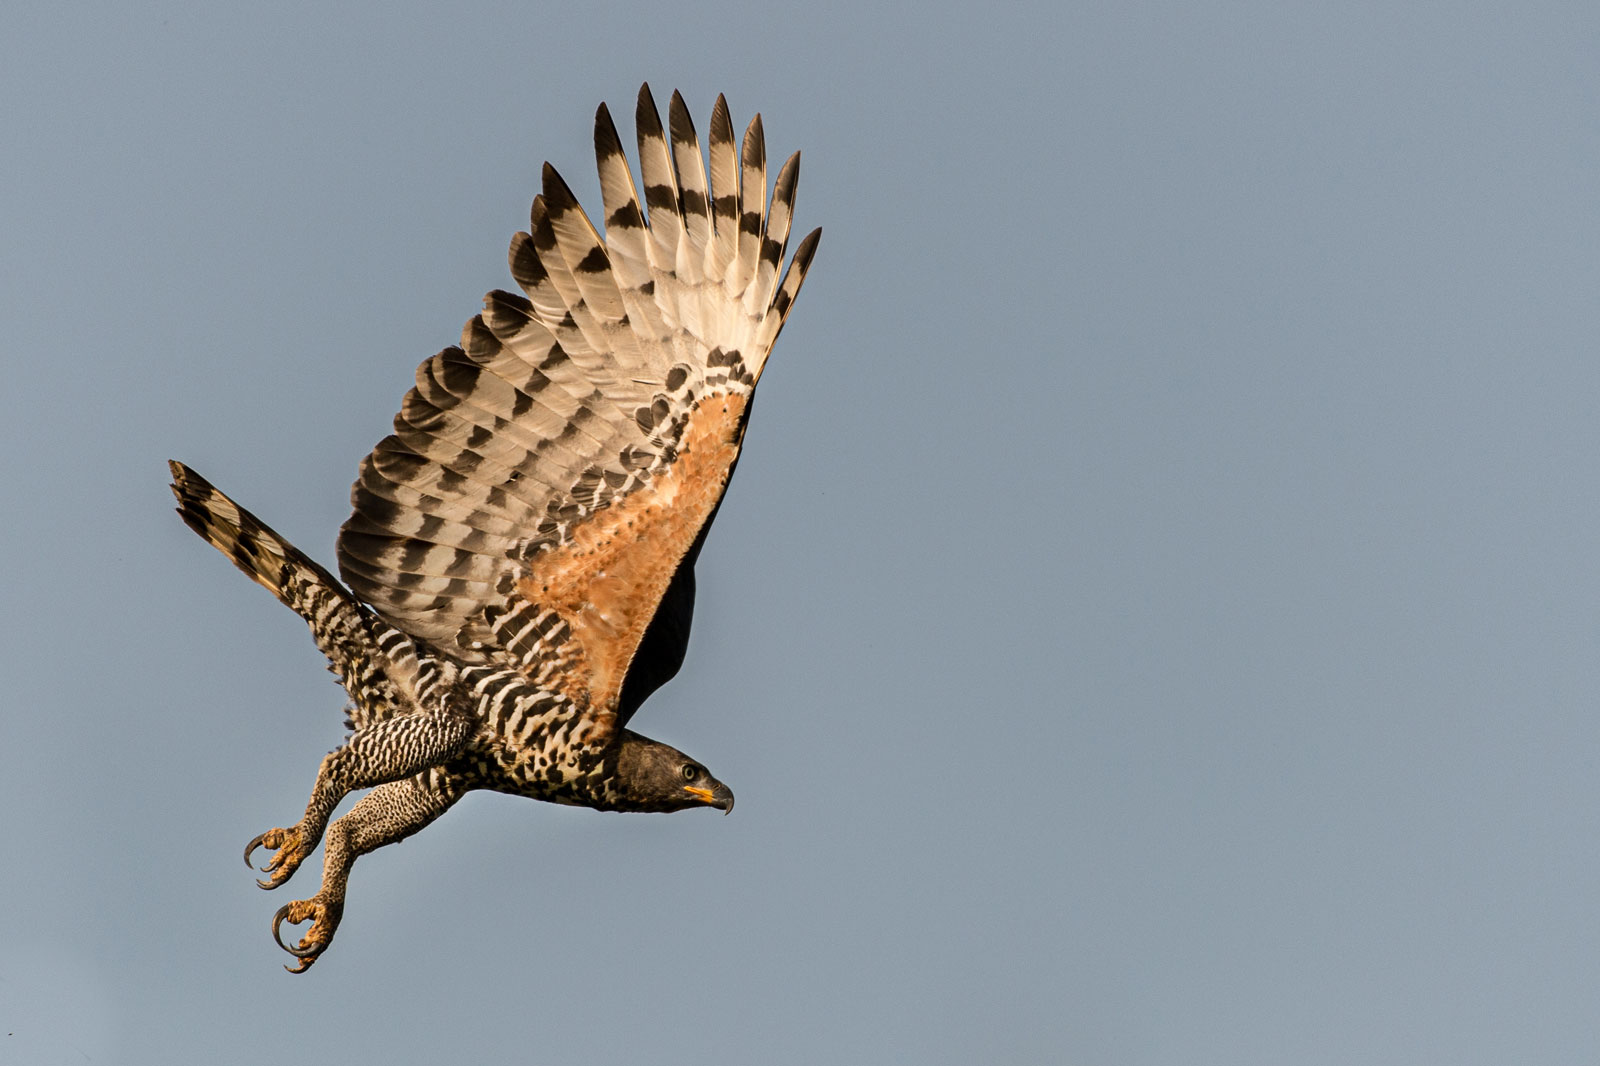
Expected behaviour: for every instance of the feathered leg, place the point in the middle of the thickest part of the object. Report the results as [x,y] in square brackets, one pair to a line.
[387,814]
[383,752]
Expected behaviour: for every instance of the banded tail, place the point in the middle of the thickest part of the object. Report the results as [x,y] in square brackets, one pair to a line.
[375,662]
[266,557]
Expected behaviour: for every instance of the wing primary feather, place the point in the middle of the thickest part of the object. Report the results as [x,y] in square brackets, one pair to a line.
[776,237]
[627,237]
[663,211]
[724,192]
[692,191]
[752,206]
[784,298]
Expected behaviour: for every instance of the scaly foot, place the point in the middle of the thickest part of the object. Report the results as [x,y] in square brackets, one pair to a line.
[317,938]
[291,852]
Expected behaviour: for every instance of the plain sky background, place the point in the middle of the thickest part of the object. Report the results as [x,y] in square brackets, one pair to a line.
[1154,622]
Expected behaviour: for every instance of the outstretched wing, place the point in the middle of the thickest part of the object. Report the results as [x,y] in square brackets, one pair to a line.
[548,479]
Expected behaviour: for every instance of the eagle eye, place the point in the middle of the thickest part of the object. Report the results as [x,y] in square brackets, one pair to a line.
[690,771]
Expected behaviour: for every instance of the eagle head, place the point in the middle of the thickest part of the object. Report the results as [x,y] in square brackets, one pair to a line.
[658,777]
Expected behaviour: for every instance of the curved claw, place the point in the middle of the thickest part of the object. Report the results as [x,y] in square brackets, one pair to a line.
[249,849]
[277,923]
[281,866]
[317,938]
[308,954]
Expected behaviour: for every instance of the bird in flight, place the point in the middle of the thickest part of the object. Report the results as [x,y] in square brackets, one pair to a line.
[518,569]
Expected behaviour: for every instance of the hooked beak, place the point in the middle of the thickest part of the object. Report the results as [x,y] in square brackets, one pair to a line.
[720,797]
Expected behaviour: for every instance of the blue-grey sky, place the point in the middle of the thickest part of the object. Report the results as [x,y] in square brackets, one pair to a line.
[1154,621]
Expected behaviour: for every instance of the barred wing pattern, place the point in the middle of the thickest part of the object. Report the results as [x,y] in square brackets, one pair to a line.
[547,479]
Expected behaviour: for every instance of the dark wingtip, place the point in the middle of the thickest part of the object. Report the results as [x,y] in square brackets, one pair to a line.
[646,117]
[679,122]
[808,248]
[557,194]
[606,141]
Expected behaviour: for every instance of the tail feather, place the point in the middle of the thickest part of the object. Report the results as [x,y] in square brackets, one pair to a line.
[376,663]
[262,554]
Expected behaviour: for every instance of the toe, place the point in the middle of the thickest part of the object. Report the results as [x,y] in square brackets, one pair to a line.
[287,855]
[317,938]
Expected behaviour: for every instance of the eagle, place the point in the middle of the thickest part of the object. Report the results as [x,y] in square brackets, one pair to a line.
[518,566]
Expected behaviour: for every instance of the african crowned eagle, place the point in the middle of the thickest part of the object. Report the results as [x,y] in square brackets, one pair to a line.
[518,569]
